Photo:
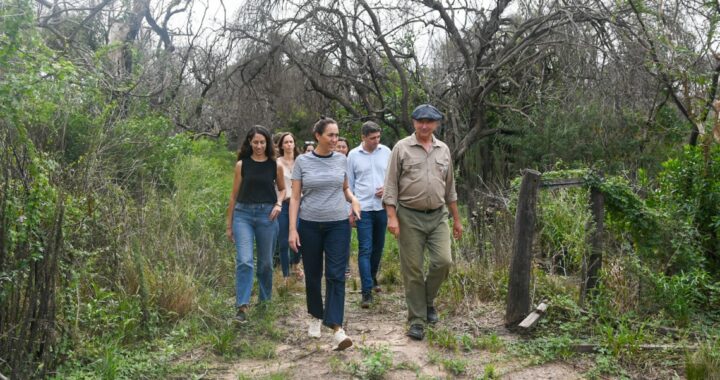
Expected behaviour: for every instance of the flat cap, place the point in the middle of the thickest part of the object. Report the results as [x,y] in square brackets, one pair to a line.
[426,111]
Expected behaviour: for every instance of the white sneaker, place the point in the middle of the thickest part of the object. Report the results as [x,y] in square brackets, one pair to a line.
[314,328]
[340,340]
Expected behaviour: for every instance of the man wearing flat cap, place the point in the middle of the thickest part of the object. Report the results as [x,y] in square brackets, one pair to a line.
[419,192]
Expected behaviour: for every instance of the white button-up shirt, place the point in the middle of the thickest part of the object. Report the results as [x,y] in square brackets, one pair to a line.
[366,174]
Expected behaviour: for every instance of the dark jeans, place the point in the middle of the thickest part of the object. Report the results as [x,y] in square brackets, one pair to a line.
[287,256]
[325,243]
[371,241]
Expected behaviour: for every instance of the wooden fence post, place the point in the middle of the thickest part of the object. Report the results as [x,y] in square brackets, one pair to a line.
[518,298]
[593,263]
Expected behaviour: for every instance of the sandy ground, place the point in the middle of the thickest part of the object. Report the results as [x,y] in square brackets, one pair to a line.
[382,327]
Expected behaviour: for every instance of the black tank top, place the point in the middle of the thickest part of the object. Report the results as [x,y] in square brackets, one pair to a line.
[258,181]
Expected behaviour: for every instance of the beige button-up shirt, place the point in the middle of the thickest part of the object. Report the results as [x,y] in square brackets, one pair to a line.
[419,179]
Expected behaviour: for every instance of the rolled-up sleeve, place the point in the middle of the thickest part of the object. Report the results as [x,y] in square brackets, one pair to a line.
[392,178]
[450,192]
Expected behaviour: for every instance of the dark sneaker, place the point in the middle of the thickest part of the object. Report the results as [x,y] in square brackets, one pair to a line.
[376,286]
[367,299]
[416,332]
[240,316]
[432,315]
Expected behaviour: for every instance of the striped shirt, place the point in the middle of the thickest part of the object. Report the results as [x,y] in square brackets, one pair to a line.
[322,179]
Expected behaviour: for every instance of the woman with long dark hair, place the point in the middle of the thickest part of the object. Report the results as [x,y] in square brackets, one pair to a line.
[287,153]
[252,215]
[323,232]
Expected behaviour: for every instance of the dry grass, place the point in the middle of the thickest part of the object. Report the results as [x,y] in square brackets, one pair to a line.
[175,293]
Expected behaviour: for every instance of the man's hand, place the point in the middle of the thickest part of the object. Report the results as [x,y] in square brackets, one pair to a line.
[393,226]
[457,229]
[379,191]
[229,234]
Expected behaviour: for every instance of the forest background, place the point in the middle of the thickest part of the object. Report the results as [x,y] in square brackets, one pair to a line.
[118,122]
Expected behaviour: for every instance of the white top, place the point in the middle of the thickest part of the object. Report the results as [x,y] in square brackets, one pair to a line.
[366,173]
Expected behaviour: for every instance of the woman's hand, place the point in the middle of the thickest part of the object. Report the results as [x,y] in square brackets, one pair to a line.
[275,212]
[356,209]
[294,240]
[229,234]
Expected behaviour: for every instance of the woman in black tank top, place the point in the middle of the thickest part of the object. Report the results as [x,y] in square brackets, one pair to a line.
[252,216]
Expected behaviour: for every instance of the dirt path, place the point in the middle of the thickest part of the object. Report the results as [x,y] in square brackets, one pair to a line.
[379,332]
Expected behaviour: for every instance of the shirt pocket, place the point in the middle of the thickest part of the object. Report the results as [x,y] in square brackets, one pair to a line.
[412,169]
[442,165]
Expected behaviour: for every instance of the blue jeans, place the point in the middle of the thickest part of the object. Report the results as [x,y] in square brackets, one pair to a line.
[371,241]
[287,256]
[325,243]
[252,226]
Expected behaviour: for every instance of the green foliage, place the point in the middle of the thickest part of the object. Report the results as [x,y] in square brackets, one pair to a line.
[615,138]
[456,366]
[223,341]
[490,343]
[489,372]
[143,148]
[564,218]
[443,338]
[605,365]
[546,348]
[689,187]
[704,363]
[621,339]
[376,362]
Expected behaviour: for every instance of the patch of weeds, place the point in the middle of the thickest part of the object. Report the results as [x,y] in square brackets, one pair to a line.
[258,350]
[605,365]
[407,365]
[375,364]
[110,362]
[117,362]
[545,349]
[455,366]
[336,365]
[622,341]
[489,372]
[490,343]
[467,343]
[262,320]
[704,363]
[390,267]
[222,341]
[283,291]
[270,376]
[433,357]
[442,338]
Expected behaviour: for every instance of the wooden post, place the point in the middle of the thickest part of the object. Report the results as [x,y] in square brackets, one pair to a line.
[593,263]
[518,298]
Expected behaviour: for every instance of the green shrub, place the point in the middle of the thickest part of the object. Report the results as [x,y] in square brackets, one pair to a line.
[564,218]
[704,363]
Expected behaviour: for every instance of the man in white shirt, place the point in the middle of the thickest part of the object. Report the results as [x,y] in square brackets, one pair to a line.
[366,176]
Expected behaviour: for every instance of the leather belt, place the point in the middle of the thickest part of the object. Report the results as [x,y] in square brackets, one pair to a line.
[424,211]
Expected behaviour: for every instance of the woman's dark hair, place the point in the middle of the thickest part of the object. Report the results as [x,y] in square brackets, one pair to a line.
[246,149]
[321,124]
[281,140]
